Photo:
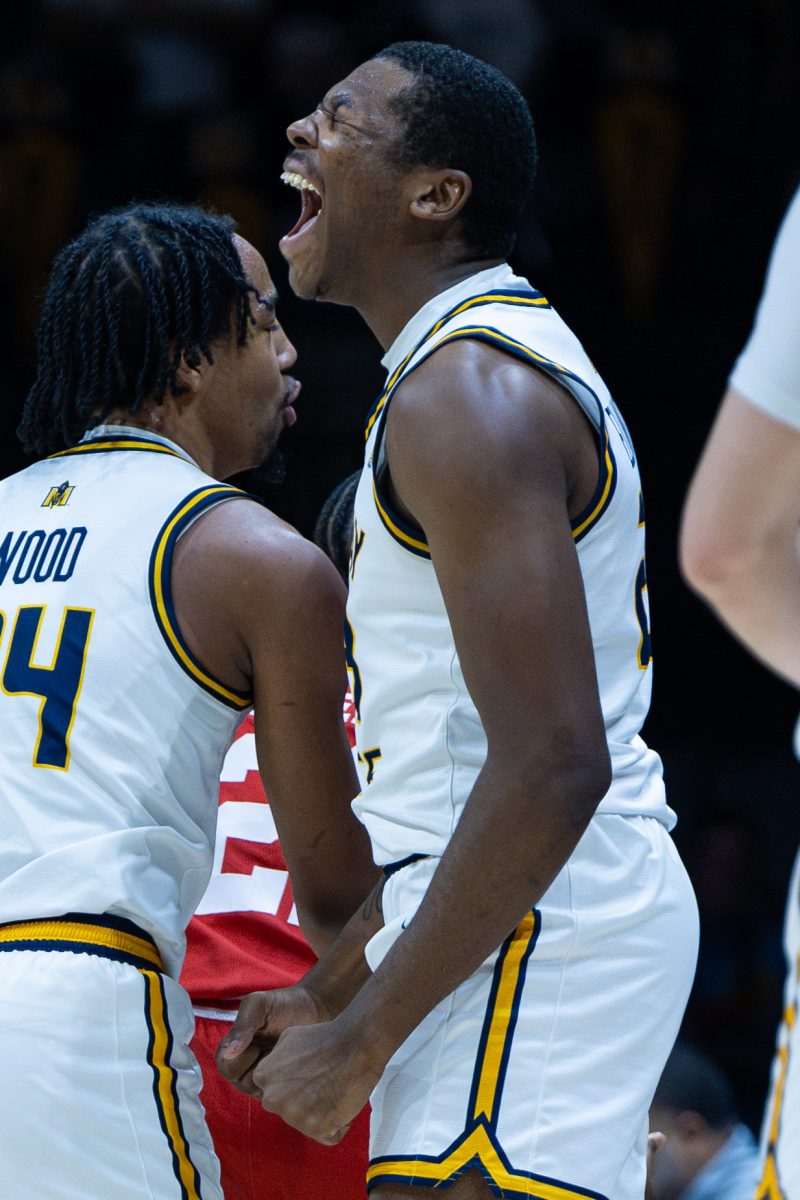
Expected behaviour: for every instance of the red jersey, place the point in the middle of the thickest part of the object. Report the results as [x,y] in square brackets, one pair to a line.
[245,936]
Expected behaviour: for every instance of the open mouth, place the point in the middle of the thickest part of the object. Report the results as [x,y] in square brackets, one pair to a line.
[311,201]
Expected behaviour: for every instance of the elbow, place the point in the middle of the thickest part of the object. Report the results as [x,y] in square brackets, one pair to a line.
[323,914]
[716,555]
[591,779]
[715,570]
[572,780]
[585,779]
[321,925]
[707,560]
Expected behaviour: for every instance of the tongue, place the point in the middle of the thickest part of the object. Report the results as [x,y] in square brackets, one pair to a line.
[308,212]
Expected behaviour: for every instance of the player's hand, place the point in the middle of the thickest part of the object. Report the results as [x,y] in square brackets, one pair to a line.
[318,1079]
[262,1018]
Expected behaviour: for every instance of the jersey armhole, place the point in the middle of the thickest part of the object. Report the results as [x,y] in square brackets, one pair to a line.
[406,533]
[160,587]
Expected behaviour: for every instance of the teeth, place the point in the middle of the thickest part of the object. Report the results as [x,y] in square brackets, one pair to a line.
[298,181]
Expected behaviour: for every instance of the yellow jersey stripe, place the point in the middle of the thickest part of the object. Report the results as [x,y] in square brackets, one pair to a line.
[118,444]
[487,1091]
[56,930]
[769,1187]
[486,298]
[164,1087]
[158,578]
[405,538]
[597,511]
[493,335]
[476,1144]
[486,332]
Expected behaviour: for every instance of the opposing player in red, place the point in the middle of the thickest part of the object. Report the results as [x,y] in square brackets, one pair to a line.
[245,936]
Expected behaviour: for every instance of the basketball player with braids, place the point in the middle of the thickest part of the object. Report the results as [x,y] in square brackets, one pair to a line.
[128,662]
[511,1000]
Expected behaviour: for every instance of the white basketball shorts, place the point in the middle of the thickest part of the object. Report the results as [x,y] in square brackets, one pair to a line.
[99,1095]
[780,1134]
[539,1069]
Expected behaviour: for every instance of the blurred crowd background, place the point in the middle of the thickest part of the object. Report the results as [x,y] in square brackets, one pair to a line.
[668,139]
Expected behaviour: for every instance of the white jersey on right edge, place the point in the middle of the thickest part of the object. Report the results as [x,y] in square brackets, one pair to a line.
[767,372]
[419,739]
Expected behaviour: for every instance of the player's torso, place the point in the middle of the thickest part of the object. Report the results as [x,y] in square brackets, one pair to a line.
[111,735]
[419,738]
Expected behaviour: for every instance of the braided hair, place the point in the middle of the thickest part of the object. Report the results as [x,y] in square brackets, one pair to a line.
[333,531]
[140,288]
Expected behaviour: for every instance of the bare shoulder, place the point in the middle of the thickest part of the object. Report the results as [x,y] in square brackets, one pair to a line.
[243,541]
[473,413]
[243,583]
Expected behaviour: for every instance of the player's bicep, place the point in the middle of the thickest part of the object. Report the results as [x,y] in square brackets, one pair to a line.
[491,494]
[515,599]
[299,681]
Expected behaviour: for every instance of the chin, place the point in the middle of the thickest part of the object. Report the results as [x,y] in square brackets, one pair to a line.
[304,286]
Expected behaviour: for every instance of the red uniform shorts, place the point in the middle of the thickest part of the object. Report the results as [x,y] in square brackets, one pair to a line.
[260,1155]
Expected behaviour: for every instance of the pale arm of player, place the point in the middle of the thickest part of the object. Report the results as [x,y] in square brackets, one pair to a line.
[738,543]
[487,479]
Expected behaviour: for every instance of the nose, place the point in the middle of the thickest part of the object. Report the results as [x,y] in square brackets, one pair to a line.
[286,353]
[303,133]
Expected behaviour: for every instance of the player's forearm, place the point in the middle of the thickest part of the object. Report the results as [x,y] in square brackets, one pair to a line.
[757,595]
[342,970]
[513,839]
[324,911]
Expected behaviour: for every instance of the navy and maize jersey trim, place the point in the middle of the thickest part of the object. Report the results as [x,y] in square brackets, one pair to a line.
[770,1186]
[165,1086]
[606,486]
[119,939]
[529,298]
[408,535]
[84,933]
[478,1146]
[479,1150]
[161,588]
[500,1022]
[393,867]
[122,441]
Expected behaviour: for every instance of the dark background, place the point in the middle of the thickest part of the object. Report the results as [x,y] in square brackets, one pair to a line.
[668,139]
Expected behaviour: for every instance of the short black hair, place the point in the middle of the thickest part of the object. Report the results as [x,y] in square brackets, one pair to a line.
[692,1081]
[140,287]
[333,531]
[460,112]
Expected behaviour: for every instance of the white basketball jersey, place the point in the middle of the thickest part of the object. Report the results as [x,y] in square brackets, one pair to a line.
[112,735]
[419,738]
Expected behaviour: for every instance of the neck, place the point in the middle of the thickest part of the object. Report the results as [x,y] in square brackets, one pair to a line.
[387,310]
[162,420]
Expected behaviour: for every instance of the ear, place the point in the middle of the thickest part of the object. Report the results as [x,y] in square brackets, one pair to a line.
[188,379]
[690,1125]
[440,195]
